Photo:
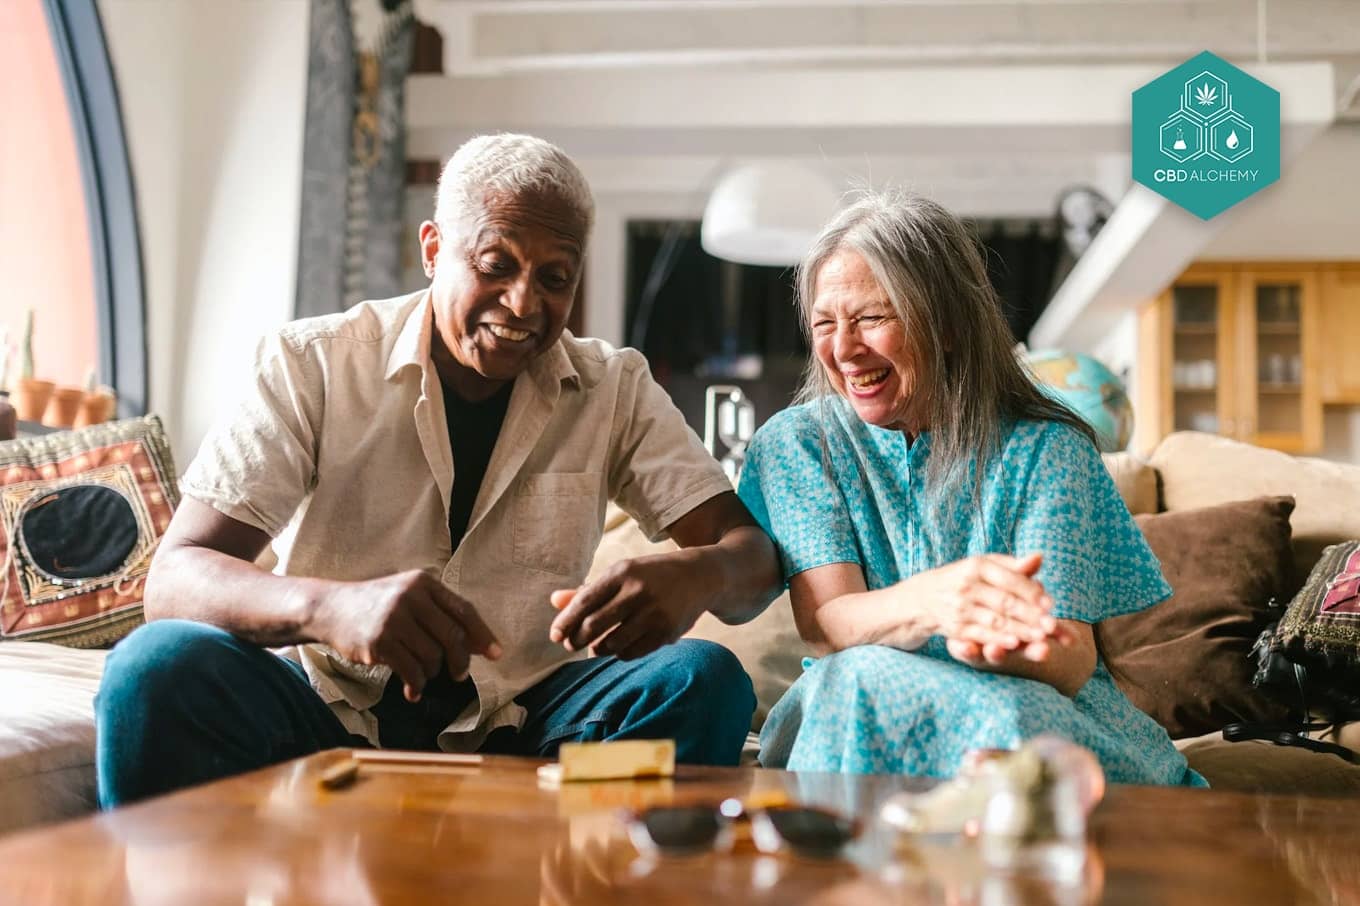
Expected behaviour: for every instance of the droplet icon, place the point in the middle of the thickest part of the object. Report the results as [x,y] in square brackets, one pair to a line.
[1232,141]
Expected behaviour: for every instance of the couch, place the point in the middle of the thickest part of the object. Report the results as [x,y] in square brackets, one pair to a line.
[1186,471]
[46,691]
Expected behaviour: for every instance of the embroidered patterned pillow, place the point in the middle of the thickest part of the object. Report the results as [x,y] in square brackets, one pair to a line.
[1320,631]
[81,513]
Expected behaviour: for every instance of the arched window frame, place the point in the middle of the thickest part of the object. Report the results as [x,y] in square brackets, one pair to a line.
[110,197]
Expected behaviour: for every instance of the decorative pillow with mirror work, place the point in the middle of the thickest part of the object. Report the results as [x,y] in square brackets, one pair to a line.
[1320,633]
[81,513]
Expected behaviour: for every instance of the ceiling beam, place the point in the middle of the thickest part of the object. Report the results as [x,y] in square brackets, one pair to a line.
[1089,97]
[504,37]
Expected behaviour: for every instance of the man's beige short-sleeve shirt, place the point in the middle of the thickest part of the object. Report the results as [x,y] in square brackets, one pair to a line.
[341,453]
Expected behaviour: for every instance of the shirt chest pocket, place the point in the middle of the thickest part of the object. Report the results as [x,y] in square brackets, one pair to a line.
[557,522]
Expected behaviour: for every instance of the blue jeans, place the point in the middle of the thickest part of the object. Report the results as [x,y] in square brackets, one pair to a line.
[183,703]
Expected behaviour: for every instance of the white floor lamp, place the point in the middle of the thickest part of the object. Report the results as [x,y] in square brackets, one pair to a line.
[767,213]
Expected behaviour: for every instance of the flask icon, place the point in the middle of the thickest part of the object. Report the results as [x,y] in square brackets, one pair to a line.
[1179,144]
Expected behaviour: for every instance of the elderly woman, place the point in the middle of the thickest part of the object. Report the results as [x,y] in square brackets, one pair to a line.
[948,533]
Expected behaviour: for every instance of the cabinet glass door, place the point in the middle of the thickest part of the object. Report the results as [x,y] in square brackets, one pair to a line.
[1279,358]
[1198,332]
[1280,403]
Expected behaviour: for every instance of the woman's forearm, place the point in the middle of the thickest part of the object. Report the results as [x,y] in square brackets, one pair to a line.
[864,618]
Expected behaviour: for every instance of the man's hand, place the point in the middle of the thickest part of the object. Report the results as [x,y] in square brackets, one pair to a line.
[727,565]
[633,609]
[409,621]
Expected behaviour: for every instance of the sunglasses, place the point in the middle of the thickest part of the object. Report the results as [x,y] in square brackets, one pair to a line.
[690,830]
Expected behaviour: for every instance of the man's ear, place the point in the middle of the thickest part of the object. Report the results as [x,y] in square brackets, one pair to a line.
[430,238]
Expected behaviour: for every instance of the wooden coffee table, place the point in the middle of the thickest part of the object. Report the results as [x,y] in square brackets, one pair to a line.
[488,835]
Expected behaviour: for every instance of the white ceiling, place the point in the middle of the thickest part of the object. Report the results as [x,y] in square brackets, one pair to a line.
[873,88]
[504,36]
[991,107]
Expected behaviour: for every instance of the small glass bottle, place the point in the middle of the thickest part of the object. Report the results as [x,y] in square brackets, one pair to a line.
[1035,818]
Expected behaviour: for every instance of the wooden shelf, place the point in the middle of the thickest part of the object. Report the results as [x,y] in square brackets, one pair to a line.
[1283,328]
[1196,330]
[1280,388]
[1196,391]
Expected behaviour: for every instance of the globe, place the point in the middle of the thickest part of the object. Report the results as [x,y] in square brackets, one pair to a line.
[1089,389]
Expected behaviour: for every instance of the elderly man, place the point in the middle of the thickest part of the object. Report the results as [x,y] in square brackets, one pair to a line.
[433,472]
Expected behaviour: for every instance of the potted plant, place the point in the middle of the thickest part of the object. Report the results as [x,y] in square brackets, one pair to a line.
[98,403]
[30,394]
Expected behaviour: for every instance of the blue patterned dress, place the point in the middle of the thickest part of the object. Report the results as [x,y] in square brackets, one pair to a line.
[874,709]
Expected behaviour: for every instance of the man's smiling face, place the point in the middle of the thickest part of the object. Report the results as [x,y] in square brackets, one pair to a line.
[505,274]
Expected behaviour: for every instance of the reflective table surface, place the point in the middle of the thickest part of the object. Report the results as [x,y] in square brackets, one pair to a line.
[489,835]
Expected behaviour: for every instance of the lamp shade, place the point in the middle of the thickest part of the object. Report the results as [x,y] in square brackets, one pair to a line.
[766,214]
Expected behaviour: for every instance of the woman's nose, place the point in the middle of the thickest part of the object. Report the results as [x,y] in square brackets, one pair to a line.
[847,341]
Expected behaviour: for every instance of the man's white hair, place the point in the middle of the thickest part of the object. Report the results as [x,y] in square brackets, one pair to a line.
[514,165]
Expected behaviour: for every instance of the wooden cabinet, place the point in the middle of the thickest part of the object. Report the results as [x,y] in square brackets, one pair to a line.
[1340,340]
[1234,350]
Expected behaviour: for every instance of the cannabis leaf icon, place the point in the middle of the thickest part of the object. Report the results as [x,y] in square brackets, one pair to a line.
[1206,94]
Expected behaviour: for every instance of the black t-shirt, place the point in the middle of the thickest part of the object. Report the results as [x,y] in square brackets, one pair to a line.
[473,429]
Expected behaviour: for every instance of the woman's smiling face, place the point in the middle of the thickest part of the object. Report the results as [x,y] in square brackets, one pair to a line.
[862,344]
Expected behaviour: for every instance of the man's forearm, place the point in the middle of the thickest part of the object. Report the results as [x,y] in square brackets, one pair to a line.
[198,583]
[745,569]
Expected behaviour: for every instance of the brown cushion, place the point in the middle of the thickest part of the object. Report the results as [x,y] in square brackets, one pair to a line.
[81,513]
[1187,660]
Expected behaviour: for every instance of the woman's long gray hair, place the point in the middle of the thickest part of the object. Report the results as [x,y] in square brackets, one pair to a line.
[932,270]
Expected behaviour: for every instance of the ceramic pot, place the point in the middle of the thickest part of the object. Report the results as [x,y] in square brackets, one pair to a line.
[96,408]
[30,398]
[63,407]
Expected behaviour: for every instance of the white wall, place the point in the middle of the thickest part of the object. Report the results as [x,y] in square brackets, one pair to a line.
[1312,213]
[1341,433]
[213,105]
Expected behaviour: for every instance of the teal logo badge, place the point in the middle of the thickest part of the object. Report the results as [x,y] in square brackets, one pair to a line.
[1206,135]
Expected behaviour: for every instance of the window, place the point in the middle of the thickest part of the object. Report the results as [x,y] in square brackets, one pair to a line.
[69,244]
[701,321]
